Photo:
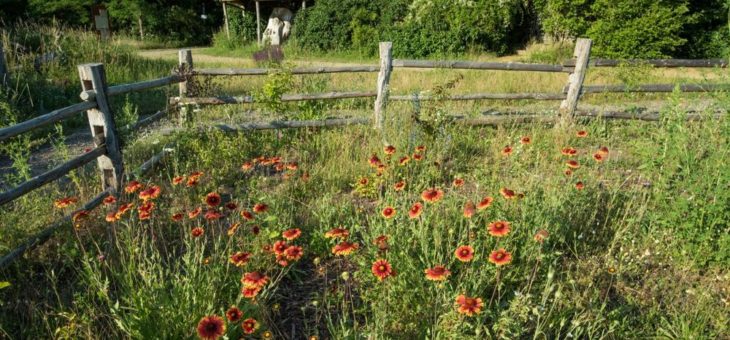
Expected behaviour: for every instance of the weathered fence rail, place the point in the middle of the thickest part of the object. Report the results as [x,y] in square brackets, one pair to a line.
[473,65]
[107,151]
[299,70]
[598,62]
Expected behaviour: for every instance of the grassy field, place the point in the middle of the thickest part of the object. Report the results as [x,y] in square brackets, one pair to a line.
[625,238]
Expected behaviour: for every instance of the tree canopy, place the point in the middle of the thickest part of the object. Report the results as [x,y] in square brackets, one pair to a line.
[619,28]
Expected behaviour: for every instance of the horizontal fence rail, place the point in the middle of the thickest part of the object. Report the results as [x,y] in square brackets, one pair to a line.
[473,65]
[134,87]
[655,88]
[51,175]
[293,124]
[298,70]
[284,98]
[480,96]
[598,62]
[43,120]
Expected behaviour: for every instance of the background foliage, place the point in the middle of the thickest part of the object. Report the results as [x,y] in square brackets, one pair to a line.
[620,28]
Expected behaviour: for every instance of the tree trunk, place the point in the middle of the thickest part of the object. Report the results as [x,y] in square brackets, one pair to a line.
[141,28]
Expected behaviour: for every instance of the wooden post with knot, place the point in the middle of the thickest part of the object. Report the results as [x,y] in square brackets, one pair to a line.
[185,67]
[386,67]
[103,127]
[581,53]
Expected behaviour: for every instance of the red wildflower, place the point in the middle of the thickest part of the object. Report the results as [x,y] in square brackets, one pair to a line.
[250,292]
[363,181]
[437,273]
[468,306]
[458,182]
[111,217]
[255,230]
[231,206]
[389,150]
[598,157]
[213,199]
[109,200]
[469,209]
[603,150]
[374,160]
[260,208]
[525,140]
[212,215]
[197,232]
[568,151]
[65,202]
[293,253]
[573,164]
[254,279]
[178,180]
[194,213]
[382,242]
[345,248]
[499,228]
[232,229]
[417,157]
[500,257]
[211,327]
[485,203]
[399,186]
[240,258]
[178,217]
[541,235]
[568,172]
[150,193]
[292,166]
[132,187]
[247,166]
[337,233]
[291,234]
[404,160]
[464,253]
[507,193]
[234,314]
[247,215]
[507,150]
[416,210]
[388,212]
[249,325]
[381,269]
[432,195]
[280,247]
[579,185]
[582,133]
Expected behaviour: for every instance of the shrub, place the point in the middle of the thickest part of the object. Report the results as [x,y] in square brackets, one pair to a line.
[637,29]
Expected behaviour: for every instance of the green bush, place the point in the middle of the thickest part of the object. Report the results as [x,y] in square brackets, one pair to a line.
[637,29]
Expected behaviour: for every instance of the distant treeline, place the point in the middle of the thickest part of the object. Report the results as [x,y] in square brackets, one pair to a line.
[619,28]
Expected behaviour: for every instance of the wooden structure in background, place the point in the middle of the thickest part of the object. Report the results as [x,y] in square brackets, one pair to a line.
[244,4]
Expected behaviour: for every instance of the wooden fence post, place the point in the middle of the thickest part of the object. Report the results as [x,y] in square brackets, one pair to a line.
[185,65]
[386,67]
[575,79]
[3,67]
[101,122]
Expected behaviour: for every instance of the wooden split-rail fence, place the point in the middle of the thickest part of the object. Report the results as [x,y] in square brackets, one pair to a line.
[107,149]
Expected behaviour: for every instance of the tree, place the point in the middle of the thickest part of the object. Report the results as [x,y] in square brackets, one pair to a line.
[72,12]
[638,28]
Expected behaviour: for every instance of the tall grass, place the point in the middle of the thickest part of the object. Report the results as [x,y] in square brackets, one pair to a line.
[639,252]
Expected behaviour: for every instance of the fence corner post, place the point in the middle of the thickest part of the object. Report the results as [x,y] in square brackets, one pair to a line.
[386,67]
[185,67]
[101,122]
[582,54]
